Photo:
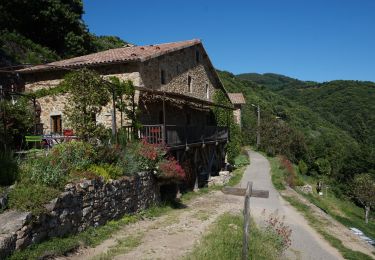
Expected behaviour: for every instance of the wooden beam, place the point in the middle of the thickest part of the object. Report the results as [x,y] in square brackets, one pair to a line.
[242,192]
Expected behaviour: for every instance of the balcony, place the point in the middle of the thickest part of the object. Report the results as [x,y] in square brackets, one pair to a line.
[180,136]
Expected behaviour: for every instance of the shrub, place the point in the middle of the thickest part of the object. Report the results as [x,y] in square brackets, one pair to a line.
[107,171]
[323,166]
[275,223]
[44,170]
[241,160]
[291,177]
[302,167]
[74,155]
[8,169]
[53,168]
[141,156]
[170,169]
[108,154]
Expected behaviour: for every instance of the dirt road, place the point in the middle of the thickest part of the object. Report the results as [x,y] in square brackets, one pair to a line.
[173,235]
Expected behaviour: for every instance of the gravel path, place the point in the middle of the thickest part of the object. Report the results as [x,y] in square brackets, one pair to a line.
[306,242]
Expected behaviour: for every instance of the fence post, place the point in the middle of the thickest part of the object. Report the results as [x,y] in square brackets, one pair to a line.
[246,225]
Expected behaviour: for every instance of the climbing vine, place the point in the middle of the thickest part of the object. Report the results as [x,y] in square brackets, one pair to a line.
[224,117]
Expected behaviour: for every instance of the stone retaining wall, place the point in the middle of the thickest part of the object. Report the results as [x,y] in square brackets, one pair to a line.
[87,203]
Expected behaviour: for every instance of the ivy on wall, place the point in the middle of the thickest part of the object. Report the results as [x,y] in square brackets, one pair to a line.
[224,117]
[58,90]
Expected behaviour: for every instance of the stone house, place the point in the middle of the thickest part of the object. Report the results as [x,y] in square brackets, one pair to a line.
[175,84]
[238,100]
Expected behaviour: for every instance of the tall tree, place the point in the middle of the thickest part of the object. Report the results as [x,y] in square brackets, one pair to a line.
[364,192]
[56,24]
[87,94]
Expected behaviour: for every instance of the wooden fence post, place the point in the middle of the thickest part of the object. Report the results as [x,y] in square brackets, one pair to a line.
[246,226]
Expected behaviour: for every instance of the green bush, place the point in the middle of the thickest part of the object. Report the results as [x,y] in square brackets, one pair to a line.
[74,155]
[107,171]
[302,167]
[241,160]
[53,168]
[8,169]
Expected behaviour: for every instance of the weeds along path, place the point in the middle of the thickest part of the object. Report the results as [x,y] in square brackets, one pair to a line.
[170,236]
[307,243]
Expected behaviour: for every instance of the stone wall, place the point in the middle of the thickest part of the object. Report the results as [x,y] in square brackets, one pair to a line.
[87,203]
[178,66]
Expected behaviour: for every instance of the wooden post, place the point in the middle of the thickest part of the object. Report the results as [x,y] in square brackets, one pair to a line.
[114,126]
[246,225]
[248,192]
[164,117]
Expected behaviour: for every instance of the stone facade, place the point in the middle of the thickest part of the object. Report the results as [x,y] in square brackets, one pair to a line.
[87,203]
[179,68]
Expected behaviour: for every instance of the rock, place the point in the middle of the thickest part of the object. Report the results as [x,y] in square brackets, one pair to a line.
[305,189]
[7,245]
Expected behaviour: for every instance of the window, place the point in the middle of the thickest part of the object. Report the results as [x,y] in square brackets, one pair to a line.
[162,77]
[197,56]
[207,92]
[56,124]
[177,69]
[190,84]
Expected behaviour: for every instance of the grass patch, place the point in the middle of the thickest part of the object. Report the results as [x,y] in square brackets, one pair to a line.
[27,196]
[319,226]
[236,176]
[344,211]
[277,174]
[224,241]
[123,246]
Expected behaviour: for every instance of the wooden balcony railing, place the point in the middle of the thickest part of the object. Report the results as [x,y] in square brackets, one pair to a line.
[173,135]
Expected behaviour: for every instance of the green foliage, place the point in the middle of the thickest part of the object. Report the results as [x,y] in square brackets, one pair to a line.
[8,169]
[302,167]
[88,94]
[224,241]
[107,171]
[15,121]
[29,196]
[44,92]
[303,130]
[125,101]
[323,166]
[103,43]
[363,188]
[53,168]
[224,117]
[57,25]
[19,49]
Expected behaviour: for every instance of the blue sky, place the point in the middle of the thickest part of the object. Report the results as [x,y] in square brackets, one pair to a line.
[316,40]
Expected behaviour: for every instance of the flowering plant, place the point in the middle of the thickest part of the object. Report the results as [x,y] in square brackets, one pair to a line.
[170,169]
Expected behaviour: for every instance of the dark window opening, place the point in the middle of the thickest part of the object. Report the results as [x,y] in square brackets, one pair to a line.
[197,56]
[190,84]
[56,124]
[162,77]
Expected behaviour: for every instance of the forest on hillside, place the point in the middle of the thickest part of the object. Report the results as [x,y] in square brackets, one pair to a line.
[329,126]
[38,31]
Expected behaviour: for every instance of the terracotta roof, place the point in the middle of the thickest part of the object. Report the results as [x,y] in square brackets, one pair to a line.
[237,98]
[118,55]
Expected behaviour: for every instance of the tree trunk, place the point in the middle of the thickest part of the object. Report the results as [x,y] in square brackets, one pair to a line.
[367,213]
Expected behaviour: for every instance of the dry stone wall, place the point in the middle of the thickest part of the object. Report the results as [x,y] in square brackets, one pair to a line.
[87,203]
